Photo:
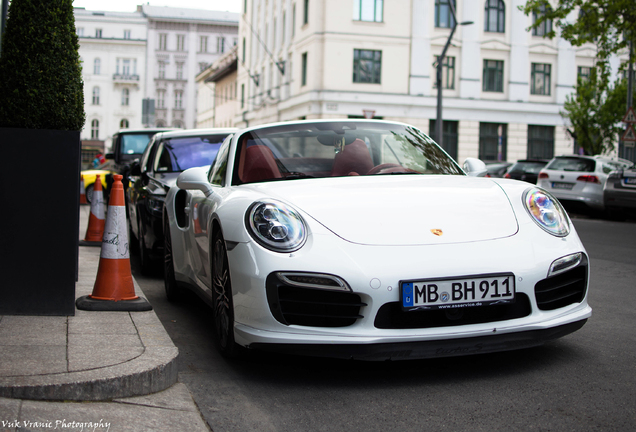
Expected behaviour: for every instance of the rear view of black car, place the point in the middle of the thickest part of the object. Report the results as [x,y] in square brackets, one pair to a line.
[526,170]
[167,155]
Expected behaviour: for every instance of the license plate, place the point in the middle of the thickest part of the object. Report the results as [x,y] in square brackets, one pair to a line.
[559,185]
[630,180]
[455,293]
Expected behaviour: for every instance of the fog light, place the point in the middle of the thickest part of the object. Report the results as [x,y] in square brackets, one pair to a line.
[565,263]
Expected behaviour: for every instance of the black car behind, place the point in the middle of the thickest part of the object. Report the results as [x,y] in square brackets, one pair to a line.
[526,170]
[167,155]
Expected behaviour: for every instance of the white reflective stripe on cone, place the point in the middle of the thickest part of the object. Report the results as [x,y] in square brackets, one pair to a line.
[115,243]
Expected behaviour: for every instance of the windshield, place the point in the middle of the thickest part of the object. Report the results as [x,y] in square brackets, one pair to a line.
[333,149]
[135,144]
[179,154]
[572,164]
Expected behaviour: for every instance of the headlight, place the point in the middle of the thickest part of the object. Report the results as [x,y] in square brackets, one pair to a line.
[276,226]
[546,211]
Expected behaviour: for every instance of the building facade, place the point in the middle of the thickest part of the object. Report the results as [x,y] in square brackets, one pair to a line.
[217,92]
[503,86]
[113,55]
[181,44]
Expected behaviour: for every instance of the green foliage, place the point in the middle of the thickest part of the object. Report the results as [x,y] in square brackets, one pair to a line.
[609,24]
[595,115]
[41,79]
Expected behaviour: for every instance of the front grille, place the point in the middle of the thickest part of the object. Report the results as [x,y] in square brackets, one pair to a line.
[391,315]
[563,289]
[292,305]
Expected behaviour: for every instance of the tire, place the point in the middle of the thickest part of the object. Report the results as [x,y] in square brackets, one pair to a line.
[89,193]
[222,302]
[173,292]
[144,254]
[133,243]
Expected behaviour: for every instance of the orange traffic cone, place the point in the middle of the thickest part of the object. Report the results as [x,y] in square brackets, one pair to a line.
[82,191]
[96,221]
[114,289]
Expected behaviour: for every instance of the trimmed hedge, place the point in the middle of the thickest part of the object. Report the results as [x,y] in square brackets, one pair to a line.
[40,73]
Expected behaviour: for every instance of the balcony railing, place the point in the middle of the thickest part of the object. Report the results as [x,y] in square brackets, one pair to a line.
[125,78]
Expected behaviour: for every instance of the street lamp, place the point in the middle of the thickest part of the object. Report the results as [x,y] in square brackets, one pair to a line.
[439,134]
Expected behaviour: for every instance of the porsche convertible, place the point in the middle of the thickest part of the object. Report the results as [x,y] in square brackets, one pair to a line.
[363,239]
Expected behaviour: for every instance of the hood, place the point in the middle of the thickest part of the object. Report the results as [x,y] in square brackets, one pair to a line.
[403,210]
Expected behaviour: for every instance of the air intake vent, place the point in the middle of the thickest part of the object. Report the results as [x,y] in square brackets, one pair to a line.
[564,289]
[293,305]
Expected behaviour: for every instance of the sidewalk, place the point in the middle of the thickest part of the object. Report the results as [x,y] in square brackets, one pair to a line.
[124,363]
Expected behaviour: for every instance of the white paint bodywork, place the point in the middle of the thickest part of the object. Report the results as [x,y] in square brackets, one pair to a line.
[374,232]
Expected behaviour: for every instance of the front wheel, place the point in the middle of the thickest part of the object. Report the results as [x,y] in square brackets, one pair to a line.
[222,302]
[89,193]
[173,292]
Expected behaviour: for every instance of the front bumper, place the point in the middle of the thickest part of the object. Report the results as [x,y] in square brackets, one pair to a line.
[427,349]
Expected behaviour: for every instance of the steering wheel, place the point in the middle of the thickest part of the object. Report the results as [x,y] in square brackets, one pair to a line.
[382,167]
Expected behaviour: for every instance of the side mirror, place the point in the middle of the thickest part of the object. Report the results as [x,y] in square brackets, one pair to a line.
[475,167]
[135,169]
[195,179]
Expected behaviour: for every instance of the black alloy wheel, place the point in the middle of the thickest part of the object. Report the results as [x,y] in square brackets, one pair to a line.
[144,258]
[173,292]
[222,303]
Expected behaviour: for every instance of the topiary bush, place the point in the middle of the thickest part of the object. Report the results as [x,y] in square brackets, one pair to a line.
[40,73]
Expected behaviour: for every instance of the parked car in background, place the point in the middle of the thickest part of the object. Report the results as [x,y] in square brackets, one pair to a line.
[363,239]
[526,170]
[105,172]
[497,169]
[619,194]
[579,180]
[128,145]
[167,155]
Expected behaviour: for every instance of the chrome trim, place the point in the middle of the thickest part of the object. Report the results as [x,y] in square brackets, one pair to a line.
[565,263]
[342,285]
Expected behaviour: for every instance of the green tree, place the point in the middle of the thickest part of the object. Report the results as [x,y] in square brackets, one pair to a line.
[595,115]
[609,24]
[40,74]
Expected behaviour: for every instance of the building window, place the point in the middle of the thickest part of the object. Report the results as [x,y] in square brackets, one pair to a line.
[306,13]
[80,31]
[303,76]
[180,42]
[443,15]
[123,124]
[161,98]
[293,19]
[449,129]
[180,71]
[584,72]
[97,66]
[220,44]
[125,97]
[95,129]
[367,66]
[126,34]
[98,33]
[448,73]
[546,26]
[178,99]
[125,67]
[161,69]
[495,16]
[368,10]
[95,95]
[242,95]
[540,142]
[163,42]
[540,79]
[493,76]
[203,44]
[492,141]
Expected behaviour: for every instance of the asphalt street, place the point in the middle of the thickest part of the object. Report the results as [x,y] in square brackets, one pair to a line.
[583,382]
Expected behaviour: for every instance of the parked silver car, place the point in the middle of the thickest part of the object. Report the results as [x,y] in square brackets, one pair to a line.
[619,194]
[579,179]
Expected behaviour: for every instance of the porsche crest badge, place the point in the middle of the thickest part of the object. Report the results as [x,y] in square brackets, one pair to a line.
[436,231]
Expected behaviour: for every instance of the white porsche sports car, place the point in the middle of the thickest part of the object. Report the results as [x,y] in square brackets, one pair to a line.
[363,239]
